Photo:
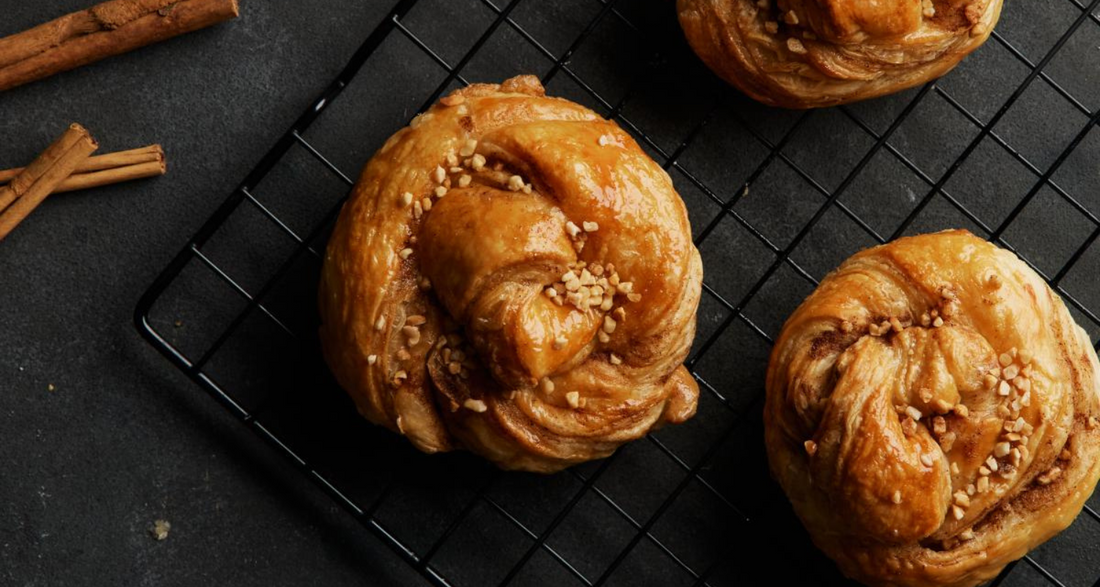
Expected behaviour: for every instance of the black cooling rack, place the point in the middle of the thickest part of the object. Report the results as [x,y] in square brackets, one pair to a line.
[1006,146]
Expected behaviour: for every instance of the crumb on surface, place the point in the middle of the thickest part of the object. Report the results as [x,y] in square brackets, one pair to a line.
[160,530]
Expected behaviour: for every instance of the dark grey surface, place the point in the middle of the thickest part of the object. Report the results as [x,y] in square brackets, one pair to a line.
[124,439]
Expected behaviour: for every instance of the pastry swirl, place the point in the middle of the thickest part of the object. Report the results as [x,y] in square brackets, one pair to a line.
[514,276]
[932,412]
[814,53]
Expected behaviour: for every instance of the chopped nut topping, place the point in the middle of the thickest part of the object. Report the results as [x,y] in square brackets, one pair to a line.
[616,360]
[412,333]
[954,468]
[1003,389]
[609,324]
[406,199]
[1010,372]
[572,229]
[957,512]
[405,253]
[983,484]
[439,174]
[440,191]
[970,489]
[1001,449]
[1050,476]
[477,162]
[515,183]
[475,405]
[984,471]
[962,411]
[372,359]
[962,499]
[468,148]
[604,338]
[928,459]
[967,534]
[1005,359]
[590,226]
[991,463]
[559,343]
[896,498]
[947,441]
[399,377]
[454,367]
[380,323]
[547,385]
[989,380]
[771,26]
[574,399]
[790,17]
[464,180]
[811,447]
[939,425]
[937,322]
[913,413]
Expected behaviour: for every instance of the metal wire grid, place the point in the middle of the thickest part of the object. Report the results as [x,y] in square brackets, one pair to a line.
[738,414]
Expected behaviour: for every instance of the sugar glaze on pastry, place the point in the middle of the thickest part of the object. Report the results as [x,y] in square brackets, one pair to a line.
[514,276]
[932,412]
[814,53]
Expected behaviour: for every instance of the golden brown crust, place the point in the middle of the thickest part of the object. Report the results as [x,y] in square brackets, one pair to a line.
[814,53]
[436,303]
[932,412]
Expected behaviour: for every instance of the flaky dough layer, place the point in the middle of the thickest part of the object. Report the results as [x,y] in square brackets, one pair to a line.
[513,275]
[814,53]
[932,412]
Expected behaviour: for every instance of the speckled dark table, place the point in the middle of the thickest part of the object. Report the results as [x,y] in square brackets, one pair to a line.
[124,439]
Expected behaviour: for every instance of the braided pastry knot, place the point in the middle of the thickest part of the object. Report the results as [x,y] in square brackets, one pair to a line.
[932,412]
[813,53]
[514,276]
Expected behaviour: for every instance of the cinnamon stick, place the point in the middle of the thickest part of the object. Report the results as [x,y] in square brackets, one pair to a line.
[31,187]
[102,31]
[108,169]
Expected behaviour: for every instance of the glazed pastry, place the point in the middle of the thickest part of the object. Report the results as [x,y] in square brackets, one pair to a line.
[932,412]
[514,276]
[814,53]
